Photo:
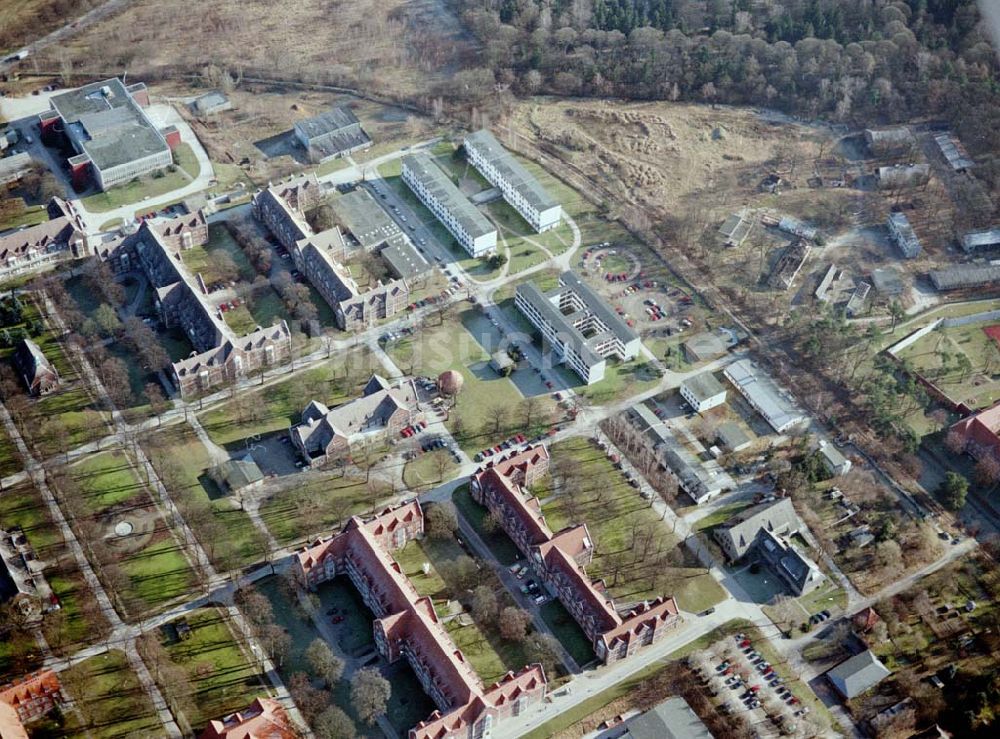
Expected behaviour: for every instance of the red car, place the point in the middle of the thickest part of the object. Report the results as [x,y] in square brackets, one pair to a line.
[521,438]
[746,642]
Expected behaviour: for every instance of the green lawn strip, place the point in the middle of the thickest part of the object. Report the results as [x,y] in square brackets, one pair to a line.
[31,215]
[107,479]
[333,165]
[695,589]
[426,470]
[159,573]
[499,543]
[613,512]
[221,677]
[78,415]
[10,458]
[226,533]
[149,186]
[582,710]
[721,515]
[109,695]
[567,631]
[304,508]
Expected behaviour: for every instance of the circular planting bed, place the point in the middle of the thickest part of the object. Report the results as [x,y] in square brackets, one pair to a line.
[129,531]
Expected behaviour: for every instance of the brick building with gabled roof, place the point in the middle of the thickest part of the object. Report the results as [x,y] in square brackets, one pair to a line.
[406,625]
[265,718]
[980,432]
[28,698]
[560,558]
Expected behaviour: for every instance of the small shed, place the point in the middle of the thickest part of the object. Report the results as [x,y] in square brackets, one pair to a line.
[732,438]
[238,475]
[501,363]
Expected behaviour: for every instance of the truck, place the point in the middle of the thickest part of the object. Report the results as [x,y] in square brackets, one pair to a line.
[18,56]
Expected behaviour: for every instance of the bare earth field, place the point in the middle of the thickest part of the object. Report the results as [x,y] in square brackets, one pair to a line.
[389,45]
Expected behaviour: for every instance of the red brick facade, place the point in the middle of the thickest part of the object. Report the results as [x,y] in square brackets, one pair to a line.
[560,559]
[32,696]
[407,626]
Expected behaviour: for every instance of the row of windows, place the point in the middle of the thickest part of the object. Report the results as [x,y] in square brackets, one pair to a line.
[130,170]
[450,222]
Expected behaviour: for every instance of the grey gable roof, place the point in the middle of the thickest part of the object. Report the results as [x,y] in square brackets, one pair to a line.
[777,517]
[858,674]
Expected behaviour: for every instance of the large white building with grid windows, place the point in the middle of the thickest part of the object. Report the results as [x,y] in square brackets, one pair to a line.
[435,189]
[519,187]
[581,327]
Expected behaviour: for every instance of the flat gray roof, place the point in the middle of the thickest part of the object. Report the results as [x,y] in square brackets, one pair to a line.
[770,401]
[953,151]
[12,166]
[554,316]
[108,124]
[986,239]
[404,260]
[511,170]
[965,275]
[596,304]
[909,244]
[445,192]
[361,214]
[704,386]
[672,719]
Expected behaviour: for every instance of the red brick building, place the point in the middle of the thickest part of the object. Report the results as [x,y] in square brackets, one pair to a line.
[265,718]
[560,559]
[27,699]
[407,626]
[981,432]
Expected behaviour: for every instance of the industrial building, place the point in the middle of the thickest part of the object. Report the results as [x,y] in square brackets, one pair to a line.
[107,126]
[984,240]
[335,133]
[953,152]
[964,276]
[581,327]
[761,392]
[435,189]
[520,189]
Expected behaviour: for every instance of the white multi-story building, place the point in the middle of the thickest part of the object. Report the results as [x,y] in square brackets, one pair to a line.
[903,235]
[518,186]
[435,189]
[582,329]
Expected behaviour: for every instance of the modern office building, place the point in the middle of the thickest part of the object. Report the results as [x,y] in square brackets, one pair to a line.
[106,124]
[522,191]
[581,327]
[435,189]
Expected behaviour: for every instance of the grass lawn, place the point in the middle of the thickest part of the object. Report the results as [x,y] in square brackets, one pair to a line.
[429,469]
[621,380]
[30,215]
[221,677]
[280,405]
[721,515]
[568,632]
[456,344]
[637,555]
[490,656]
[316,504]
[498,542]
[73,419]
[114,704]
[187,169]
[332,165]
[159,571]
[10,458]
[226,533]
[106,480]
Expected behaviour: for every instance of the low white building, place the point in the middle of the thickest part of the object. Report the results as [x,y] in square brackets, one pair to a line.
[703,392]
[764,395]
[833,461]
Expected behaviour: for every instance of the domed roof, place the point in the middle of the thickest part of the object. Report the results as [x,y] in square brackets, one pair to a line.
[450,382]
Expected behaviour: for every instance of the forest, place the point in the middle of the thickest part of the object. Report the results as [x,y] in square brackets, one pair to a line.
[865,61]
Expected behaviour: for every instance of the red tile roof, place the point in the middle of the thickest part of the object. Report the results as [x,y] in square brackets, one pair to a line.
[412,618]
[29,687]
[982,429]
[644,616]
[265,718]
